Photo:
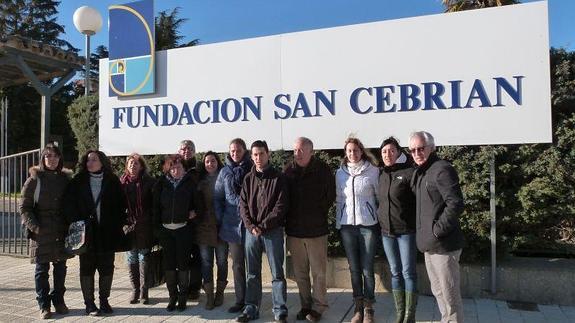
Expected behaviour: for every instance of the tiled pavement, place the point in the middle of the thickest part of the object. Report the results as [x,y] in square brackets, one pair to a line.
[18,304]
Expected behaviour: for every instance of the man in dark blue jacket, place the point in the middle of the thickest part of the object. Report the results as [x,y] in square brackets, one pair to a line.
[439,204]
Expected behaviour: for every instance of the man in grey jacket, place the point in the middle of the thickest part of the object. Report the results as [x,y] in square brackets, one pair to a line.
[439,204]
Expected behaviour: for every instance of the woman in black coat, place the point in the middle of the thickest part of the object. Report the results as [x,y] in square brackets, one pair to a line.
[41,212]
[95,195]
[137,185]
[174,210]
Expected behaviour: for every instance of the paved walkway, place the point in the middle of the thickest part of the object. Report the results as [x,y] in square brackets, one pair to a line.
[18,304]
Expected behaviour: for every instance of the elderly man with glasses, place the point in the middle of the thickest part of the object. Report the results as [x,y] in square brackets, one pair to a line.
[439,204]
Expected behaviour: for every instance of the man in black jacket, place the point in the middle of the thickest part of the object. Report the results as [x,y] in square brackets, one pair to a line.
[311,194]
[263,205]
[187,151]
[439,204]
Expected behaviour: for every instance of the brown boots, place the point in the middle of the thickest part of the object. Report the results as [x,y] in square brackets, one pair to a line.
[368,311]
[358,310]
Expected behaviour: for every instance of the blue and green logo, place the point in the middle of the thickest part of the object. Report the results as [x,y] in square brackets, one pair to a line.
[132,52]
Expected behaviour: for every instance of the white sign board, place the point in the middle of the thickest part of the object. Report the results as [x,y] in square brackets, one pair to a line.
[470,78]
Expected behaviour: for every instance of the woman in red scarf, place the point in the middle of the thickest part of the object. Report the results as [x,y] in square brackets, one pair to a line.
[137,185]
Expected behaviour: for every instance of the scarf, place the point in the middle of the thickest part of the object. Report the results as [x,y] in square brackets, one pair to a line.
[135,210]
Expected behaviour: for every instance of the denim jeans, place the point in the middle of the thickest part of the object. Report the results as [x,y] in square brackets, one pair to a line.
[207,252]
[41,276]
[401,255]
[273,244]
[359,243]
[136,256]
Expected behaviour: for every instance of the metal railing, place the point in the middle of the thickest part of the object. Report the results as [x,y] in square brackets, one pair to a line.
[13,174]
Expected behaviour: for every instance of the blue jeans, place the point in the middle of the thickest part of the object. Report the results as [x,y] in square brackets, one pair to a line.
[401,255]
[273,244]
[43,295]
[207,252]
[136,256]
[359,243]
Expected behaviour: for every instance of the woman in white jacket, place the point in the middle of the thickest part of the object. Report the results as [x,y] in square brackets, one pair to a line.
[356,219]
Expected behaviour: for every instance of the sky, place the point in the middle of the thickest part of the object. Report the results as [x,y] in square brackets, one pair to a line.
[213,21]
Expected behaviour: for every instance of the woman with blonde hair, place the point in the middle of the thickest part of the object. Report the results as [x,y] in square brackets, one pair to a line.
[356,219]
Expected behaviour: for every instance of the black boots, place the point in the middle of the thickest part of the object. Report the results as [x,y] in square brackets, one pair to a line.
[134,273]
[144,282]
[172,284]
[87,285]
[220,289]
[105,286]
[183,286]
[209,290]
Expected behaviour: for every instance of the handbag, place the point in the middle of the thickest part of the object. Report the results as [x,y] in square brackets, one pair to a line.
[80,233]
[76,241]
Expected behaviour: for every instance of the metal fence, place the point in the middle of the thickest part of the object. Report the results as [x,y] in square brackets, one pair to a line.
[13,174]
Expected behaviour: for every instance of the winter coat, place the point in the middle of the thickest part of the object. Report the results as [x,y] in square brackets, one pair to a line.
[356,196]
[44,219]
[264,200]
[227,198]
[396,212]
[173,204]
[107,234]
[311,195]
[207,225]
[141,237]
[439,204]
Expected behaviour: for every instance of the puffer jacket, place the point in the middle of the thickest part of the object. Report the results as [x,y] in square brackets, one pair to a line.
[356,198]
[45,221]
[227,199]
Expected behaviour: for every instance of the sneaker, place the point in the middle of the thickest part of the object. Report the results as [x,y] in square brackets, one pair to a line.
[61,309]
[313,316]
[92,310]
[301,315]
[236,308]
[45,314]
[281,319]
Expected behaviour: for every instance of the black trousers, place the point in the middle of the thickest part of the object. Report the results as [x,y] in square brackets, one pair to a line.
[196,268]
[93,260]
[176,247]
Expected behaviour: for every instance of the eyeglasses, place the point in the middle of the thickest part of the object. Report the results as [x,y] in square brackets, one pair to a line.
[415,150]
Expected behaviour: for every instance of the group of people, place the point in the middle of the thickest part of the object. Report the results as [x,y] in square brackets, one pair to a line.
[244,207]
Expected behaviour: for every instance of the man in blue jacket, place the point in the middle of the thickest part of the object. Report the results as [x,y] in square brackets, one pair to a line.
[439,204]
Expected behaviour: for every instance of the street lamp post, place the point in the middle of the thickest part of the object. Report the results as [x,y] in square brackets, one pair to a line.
[88,21]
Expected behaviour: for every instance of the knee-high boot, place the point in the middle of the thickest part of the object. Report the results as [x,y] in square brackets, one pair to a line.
[87,285]
[410,307]
[144,282]
[399,298]
[172,284]
[183,286]
[105,286]
[134,273]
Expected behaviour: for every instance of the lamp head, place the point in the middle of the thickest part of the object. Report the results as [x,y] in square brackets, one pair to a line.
[87,20]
